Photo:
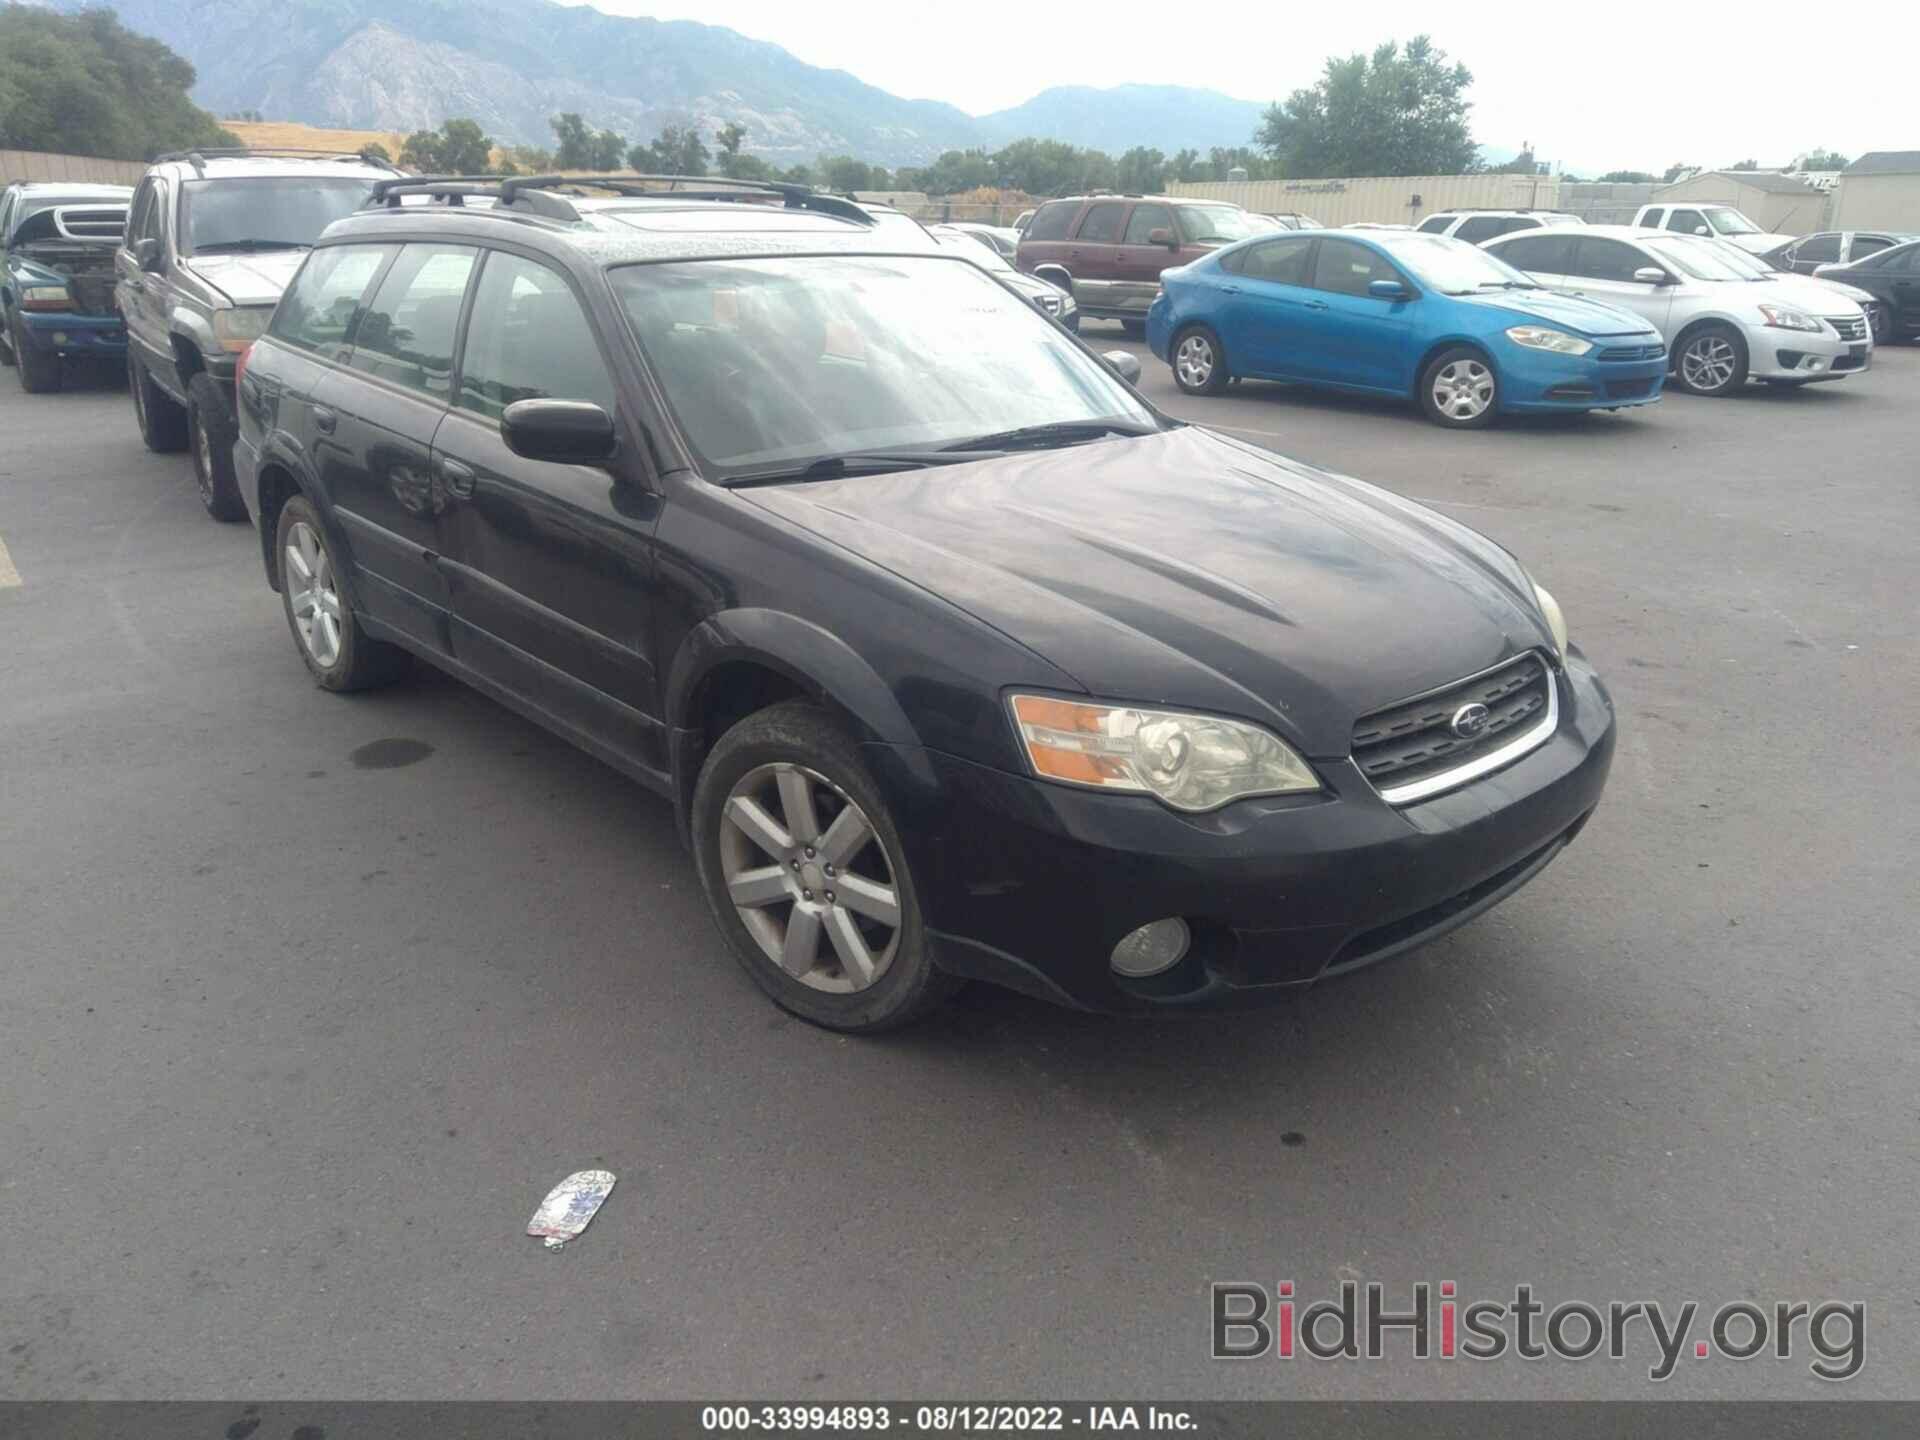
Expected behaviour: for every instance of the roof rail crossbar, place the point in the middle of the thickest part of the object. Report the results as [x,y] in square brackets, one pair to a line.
[387,192]
[199,156]
[703,187]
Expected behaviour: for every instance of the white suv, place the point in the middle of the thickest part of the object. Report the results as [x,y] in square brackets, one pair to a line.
[1722,326]
[1476,227]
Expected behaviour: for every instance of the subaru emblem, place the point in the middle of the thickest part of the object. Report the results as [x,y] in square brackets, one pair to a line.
[1469,720]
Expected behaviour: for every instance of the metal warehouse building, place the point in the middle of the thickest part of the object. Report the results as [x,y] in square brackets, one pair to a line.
[1773,202]
[1879,191]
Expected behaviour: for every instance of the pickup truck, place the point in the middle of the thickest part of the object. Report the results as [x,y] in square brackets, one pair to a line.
[1710,220]
[56,278]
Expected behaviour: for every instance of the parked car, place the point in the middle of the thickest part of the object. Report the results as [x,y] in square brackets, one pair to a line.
[1109,250]
[1003,242]
[1722,326]
[1721,220]
[955,658]
[1020,221]
[1832,247]
[1293,220]
[56,278]
[1374,225]
[212,238]
[1395,313]
[1892,277]
[1050,300]
[1478,226]
[1814,293]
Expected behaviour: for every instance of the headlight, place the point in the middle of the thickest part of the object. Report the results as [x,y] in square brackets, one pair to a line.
[45,297]
[237,329]
[1537,337]
[1785,318]
[1556,622]
[1190,762]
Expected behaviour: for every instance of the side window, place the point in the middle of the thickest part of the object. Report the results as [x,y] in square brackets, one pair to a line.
[6,215]
[1907,260]
[1818,248]
[1865,245]
[1283,262]
[1102,224]
[1597,259]
[1435,224]
[1234,261]
[317,311]
[1546,254]
[153,223]
[1347,268]
[137,210]
[1481,227]
[405,333]
[1687,222]
[1144,221]
[529,339]
[1050,221]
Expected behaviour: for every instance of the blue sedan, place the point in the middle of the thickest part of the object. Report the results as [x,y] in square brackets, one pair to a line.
[1399,313]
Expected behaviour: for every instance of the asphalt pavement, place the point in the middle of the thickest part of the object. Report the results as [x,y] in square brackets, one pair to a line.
[308,1000]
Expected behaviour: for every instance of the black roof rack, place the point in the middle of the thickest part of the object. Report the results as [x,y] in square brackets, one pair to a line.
[543,194]
[198,158]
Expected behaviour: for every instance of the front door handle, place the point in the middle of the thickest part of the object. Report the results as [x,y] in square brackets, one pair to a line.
[1230,289]
[459,478]
[324,419]
[1316,304]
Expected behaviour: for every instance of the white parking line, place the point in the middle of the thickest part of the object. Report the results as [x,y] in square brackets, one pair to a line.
[9,577]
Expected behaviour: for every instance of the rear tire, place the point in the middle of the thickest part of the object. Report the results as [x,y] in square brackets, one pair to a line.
[1711,360]
[1459,390]
[6,339]
[336,651]
[39,371]
[163,424]
[1199,364]
[814,820]
[210,429]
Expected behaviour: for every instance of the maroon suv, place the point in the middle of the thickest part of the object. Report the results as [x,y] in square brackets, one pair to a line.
[1109,250]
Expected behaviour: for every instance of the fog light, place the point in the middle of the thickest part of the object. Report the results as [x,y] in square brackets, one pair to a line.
[1816,364]
[1152,948]
[59,337]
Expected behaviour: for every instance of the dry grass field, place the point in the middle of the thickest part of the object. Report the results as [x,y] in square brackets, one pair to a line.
[311,137]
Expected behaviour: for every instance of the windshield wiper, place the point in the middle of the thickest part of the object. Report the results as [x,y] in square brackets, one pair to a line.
[215,246]
[840,467]
[1507,285]
[1058,432]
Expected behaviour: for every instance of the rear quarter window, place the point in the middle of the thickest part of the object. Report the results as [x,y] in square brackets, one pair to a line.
[1435,224]
[1050,221]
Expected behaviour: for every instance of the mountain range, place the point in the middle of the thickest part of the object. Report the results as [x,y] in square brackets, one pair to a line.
[512,64]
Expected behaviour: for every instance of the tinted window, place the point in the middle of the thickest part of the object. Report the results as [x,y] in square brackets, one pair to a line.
[146,221]
[529,340]
[1284,262]
[1434,224]
[244,214]
[1864,245]
[1347,269]
[1818,248]
[1050,221]
[1484,227]
[1596,259]
[1903,260]
[1102,224]
[406,332]
[317,311]
[1144,221]
[1686,221]
[1545,254]
[1233,261]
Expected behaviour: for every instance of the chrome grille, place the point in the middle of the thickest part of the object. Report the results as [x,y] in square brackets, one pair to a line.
[1851,327]
[1410,750]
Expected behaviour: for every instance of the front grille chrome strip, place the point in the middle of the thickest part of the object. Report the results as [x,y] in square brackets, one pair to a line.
[1486,763]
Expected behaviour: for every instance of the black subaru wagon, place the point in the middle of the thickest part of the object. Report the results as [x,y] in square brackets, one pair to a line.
[955,657]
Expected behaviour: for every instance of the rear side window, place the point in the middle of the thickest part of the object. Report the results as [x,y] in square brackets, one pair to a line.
[1484,227]
[1434,224]
[1144,221]
[1282,262]
[317,311]
[1102,224]
[1542,254]
[1821,248]
[1865,245]
[1346,268]
[528,339]
[1596,259]
[406,334]
[1050,221]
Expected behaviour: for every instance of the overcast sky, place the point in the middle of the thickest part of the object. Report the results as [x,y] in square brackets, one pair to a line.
[1636,87]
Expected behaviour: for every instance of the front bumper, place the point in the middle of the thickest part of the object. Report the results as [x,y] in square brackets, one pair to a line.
[1777,354]
[1542,380]
[1031,884]
[71,336]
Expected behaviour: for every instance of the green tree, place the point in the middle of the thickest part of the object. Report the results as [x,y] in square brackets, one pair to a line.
[1185,165]
[1521,164]
[85,85]
[458,147]
[1142,171]
[1400,112]
[1745,165]
[1628,177]
[728,138]
[841,173]
[677,150]
[1823,159]
[1222,160]
[374,151]
[575,148]
[953,172]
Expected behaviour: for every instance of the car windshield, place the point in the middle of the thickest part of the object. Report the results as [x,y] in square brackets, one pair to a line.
[1453,266]
[774,365]
[1217,224]
[1695,260]
[1749,264]
[1727,221]
[277,213]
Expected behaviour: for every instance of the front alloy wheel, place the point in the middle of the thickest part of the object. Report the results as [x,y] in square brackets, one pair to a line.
[1712,362]
[1459,389]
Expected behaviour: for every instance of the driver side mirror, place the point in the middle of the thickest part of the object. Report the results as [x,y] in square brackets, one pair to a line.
[150,255]
[1160,235]
[568,432]
[1388,290]
[1650,275]
[1701,230]
[1123,363]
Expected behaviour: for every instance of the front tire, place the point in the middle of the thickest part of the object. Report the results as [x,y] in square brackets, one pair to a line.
[163,424]
[39,372]
[1458,389]
[1199,364]
[210,431]
[806,876]
[1711,361]
[336,651]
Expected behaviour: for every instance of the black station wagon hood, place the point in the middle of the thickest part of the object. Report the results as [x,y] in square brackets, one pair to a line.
[1186,569]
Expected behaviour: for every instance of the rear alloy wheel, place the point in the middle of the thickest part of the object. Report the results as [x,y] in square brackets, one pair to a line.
[1712,361]
[1198,366]
[211,431]
[337,652]
[1459,389]
[804,873]
[39,370]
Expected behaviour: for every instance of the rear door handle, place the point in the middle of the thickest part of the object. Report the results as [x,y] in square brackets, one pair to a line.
[324,419]
[459,478]
[1316,304]
[1230,289]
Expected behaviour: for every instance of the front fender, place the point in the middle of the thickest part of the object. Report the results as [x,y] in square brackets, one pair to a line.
[189,324]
